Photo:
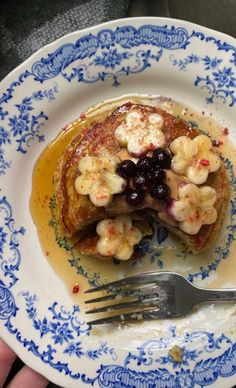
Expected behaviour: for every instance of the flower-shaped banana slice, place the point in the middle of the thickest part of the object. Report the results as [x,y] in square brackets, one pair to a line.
[194,208]
[141,133]
[98,179]
[194,158]
[117,237]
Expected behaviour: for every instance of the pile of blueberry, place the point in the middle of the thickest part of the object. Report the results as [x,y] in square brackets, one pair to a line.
[147,175]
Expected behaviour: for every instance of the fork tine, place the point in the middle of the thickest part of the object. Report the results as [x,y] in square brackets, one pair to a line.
[143,303]
[144,278]
[131,317]
[142,292]
[101,299]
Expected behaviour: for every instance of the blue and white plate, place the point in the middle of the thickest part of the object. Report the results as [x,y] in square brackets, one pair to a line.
[38,318]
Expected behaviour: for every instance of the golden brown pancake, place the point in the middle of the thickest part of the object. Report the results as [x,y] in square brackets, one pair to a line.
[76,213]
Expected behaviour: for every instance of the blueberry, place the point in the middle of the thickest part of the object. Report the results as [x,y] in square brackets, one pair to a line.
[142,181]
[135,197]
[162,158]
[127,169]
[158,176]
[145,163]
[160,192]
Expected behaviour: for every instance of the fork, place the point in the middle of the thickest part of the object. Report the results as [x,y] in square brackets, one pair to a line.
[152,295]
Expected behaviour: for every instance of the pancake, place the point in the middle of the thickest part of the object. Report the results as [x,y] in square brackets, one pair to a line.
[78,215]
[76,212]
[87,244]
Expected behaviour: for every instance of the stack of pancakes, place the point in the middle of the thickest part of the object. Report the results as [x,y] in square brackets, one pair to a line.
[76,213]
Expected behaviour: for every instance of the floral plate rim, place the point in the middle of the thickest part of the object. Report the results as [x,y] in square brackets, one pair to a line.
[104,24]
[47,48]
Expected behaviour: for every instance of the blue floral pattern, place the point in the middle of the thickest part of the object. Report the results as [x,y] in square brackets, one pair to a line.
[24,127]
[74,348]
[125,38]
[129,37]
[63,328]
[2,113]
[220,83]
[4,137]
[10,256]
[190,371]
[111,58]
[109,55]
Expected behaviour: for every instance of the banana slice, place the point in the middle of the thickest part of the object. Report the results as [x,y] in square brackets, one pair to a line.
[194,208]
[141,133]
[194,158]
[99,180]
[117,237]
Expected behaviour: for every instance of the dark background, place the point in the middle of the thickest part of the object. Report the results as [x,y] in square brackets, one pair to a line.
[28,25]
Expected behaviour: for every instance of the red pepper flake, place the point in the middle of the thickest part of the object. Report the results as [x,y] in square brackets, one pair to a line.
[204,162]
[152,146]
[47,253]
[225,131]
[75,289]
[82,116]
[217,143]
[112,232]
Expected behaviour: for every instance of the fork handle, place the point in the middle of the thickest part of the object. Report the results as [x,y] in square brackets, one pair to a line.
[207,295]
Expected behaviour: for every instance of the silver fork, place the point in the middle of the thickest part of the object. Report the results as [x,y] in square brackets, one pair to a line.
[152,295]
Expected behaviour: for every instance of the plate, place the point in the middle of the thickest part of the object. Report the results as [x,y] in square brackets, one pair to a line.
[39,318]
